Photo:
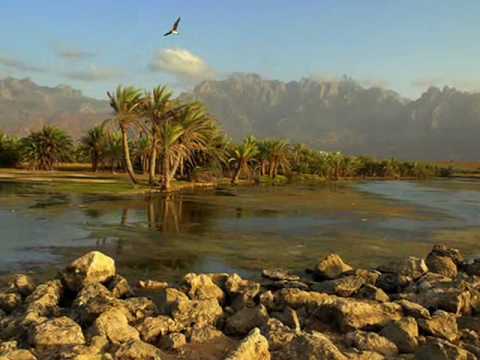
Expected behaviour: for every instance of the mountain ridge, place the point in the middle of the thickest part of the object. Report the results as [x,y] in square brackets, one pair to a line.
[333,115]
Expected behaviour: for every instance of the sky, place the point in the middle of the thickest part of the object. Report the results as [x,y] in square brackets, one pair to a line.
[95,45]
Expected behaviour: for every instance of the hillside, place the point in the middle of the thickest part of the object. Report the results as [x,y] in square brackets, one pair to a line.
[25,105]
[443,124]
[342,115]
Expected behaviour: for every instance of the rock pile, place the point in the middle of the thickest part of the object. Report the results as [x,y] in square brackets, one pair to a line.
[409,309]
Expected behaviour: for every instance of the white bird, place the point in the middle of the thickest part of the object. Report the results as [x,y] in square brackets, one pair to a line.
[174,29]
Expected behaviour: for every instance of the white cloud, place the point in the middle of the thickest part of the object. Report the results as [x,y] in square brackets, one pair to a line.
[182,64]
[19,65]
[93,74]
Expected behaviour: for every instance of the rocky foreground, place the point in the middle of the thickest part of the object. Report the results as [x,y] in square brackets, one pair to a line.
[410,309]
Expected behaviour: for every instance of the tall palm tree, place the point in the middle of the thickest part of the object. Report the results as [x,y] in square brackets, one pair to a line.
[126,102]
[242,156]
[157,109]
[94,143]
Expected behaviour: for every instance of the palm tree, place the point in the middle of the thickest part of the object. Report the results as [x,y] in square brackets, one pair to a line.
[126,102]
[94,142]
[183,135]
[242,156]
[45,148]
[113,149]
[279,153]
[157,109]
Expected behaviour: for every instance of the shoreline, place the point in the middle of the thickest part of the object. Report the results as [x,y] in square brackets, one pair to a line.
[119,184]
[412,308]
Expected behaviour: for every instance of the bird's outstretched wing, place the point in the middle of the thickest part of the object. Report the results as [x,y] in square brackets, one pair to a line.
[168,33]
[175,25]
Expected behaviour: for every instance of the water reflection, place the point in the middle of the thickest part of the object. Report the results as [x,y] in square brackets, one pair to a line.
[240,229]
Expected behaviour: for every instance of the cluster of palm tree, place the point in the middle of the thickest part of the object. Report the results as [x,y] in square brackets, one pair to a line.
[257,158]
[158,134]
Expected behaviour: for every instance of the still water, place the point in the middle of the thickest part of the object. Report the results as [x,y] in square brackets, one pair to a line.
[237,230]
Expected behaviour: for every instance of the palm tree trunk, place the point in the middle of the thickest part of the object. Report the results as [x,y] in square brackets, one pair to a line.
[153,162]
[175,168]
[126,153]
[94,161]
[236,174]
[166,172]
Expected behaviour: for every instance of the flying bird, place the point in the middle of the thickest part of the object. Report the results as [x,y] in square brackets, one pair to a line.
[174,29]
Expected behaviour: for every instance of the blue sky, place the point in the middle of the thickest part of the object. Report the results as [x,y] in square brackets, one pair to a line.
[92,45]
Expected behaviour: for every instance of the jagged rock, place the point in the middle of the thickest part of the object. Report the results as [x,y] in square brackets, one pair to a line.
[172,341]
[277,334]
[413,309]
[91,301]
[411,267]
[246,319]
[45,298]
[254,346]
[113,324]
[308,346]
[403,333]
[352,314]
[201,287]
[296,298]
[57,333]
[119,287]
[168,297]
[279,274]
[288,317]
[392,282]
[242,292]
[93,267]
[23,284]
[345,286]
[200,312]
[331,267]
[370,341]
[371,292]
[9,301]
[371,276]
[443,250]
[443,265]
[267,299]
[153,327]
[445,297]
[138,350]
[438,349]
[18,355]
[205,334]
[140,307]
[8,346]
[442,324]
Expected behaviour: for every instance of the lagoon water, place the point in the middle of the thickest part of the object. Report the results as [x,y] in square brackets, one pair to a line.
[237,230]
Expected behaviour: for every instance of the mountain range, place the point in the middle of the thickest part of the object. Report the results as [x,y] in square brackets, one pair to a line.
[340,115]
[25,106]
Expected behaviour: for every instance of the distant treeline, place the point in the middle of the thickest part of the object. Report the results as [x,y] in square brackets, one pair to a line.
[152,133]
